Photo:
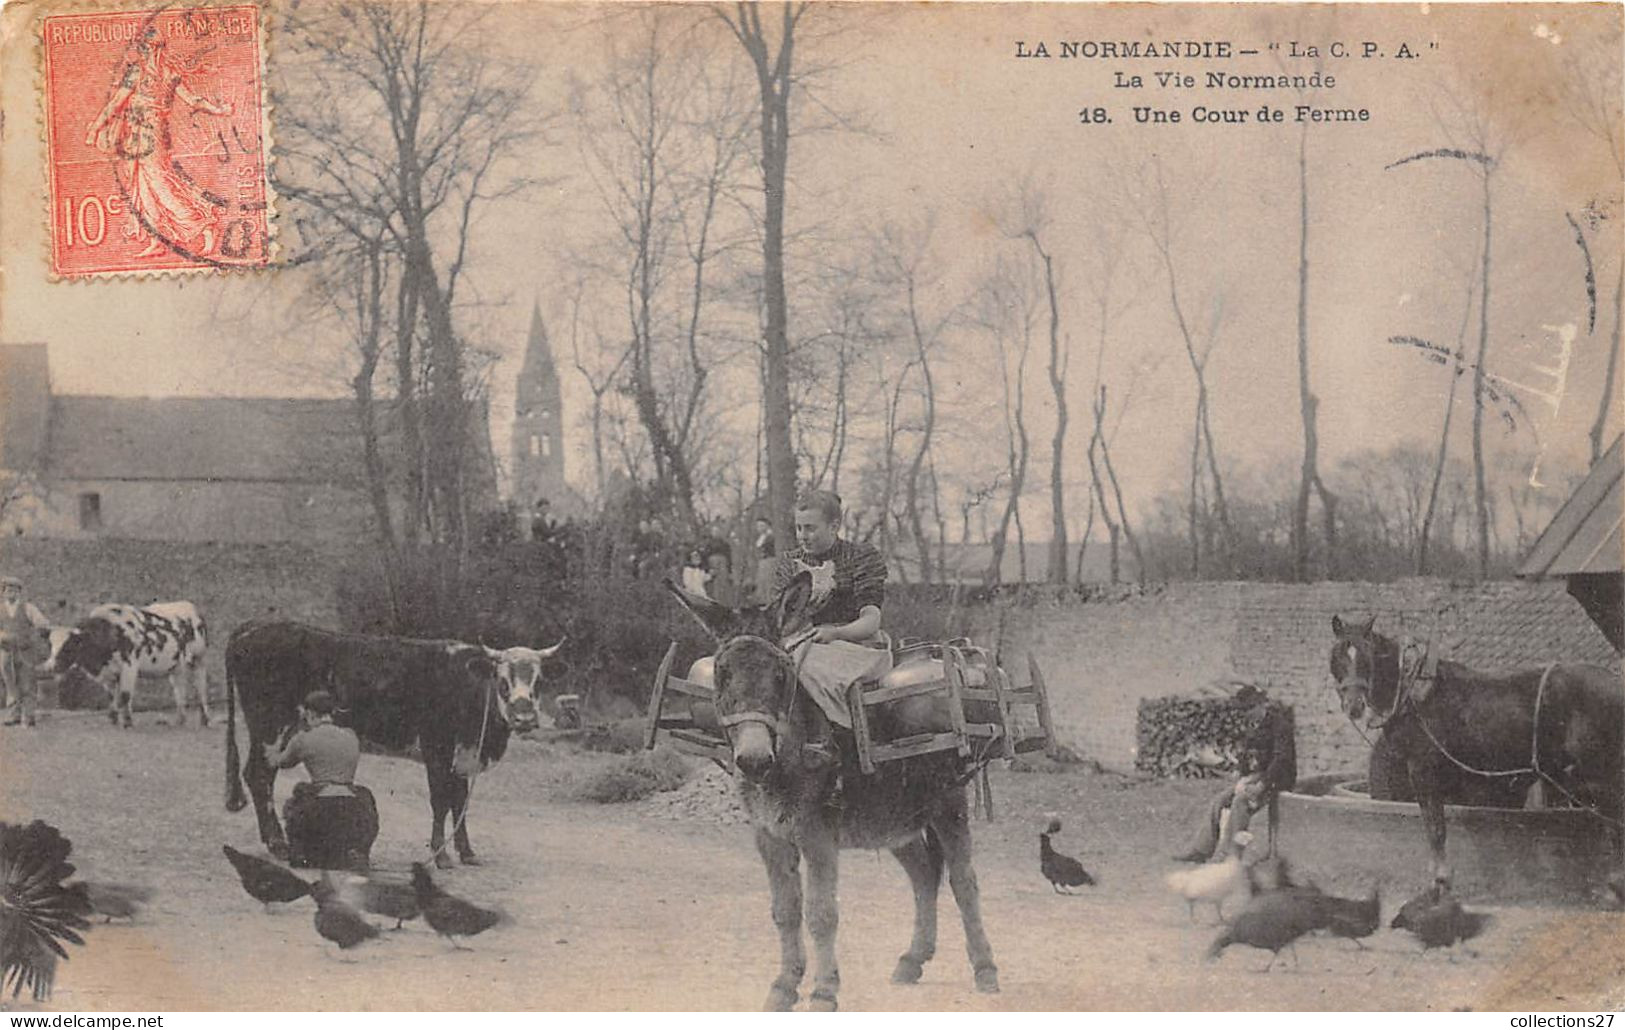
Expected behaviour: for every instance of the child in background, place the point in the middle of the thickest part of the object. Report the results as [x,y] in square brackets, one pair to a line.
[695,574]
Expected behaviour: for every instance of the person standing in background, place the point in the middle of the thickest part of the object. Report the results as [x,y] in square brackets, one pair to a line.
[22,648]
[766,550]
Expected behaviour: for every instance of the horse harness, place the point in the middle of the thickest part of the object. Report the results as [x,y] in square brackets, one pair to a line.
[1425,669]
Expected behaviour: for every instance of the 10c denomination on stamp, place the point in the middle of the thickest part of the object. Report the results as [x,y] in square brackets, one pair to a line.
[155,136]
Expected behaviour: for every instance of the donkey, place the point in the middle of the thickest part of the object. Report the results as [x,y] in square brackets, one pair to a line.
[1562,723]
[806,809]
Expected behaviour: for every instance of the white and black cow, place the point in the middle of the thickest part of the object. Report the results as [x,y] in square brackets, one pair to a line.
[116,643]
[519,668]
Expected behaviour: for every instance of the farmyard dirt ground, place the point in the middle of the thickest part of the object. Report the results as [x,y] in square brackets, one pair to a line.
[627,907]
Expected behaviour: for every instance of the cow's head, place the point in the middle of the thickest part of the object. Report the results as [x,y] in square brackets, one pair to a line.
[519,669]
[755,677]
[84,650]
[476,711]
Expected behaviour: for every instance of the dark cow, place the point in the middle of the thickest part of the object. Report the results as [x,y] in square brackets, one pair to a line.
[116,643]
[443,695]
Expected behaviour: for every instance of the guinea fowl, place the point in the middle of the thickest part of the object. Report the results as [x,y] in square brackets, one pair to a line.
[1438,920]
[116,900]
[1213,882]
[265,881]
[451,917]
[1060,870]
[1354,918]
[1273,921]
[337,921]
[38,911]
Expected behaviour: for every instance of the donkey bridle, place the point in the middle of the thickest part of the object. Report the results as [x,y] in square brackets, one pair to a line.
[780,723]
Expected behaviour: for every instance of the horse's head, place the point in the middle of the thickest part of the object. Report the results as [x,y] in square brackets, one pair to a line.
[755,675]
[1365,668]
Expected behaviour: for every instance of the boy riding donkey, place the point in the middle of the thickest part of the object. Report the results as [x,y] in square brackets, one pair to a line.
[844,645]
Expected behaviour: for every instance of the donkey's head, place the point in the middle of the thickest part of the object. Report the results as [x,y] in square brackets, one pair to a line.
[1365,668]
[755,675]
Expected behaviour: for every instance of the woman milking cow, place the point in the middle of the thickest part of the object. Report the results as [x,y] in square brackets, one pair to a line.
[331,821]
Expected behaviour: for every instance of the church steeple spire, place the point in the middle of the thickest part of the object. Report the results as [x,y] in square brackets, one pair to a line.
[538,430]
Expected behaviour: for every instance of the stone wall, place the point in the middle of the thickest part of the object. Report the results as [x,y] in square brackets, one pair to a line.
[230,584]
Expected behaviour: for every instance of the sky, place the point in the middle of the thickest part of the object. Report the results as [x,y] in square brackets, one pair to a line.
[954,117]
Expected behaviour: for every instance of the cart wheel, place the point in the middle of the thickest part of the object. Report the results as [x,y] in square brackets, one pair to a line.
[655,695]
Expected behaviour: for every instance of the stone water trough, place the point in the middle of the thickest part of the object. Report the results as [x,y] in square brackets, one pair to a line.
[1334,832]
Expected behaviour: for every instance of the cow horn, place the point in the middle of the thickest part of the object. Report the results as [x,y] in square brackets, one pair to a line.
[549,652]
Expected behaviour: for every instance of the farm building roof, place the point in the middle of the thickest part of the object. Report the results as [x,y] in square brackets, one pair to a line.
[178,438]
[1584,536]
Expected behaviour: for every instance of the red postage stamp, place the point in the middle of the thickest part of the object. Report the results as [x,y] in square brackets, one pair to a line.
[155,135]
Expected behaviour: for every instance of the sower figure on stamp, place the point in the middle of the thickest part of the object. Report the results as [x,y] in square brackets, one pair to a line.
[22,648]
[136,126]
[331,821]
[844,645]
[1269,765]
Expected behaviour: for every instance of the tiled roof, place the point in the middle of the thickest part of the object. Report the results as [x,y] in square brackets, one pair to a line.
[1584,535]
[265,439]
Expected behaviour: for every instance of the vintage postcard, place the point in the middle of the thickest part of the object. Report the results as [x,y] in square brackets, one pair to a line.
[574,506]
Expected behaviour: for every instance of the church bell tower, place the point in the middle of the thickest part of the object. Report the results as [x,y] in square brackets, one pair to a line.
[538,425]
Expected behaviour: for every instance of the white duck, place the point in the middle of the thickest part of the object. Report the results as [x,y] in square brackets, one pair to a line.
[1215,881]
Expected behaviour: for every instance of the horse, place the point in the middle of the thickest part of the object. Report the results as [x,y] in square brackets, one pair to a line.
[804,810]
[1561,724]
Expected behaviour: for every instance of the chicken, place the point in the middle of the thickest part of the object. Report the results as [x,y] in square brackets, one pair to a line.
[1438,920]
[398,901]
[1214,881]
[38,911]
[1060,870]
[1273,921]
[337,921]
[451,917]
[116,900]
[265,881]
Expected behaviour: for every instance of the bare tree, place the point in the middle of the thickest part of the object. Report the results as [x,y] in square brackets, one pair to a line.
[1457,368]
[662,140]
[396,118]
[1159,224]
[772,56]
[599,379]
[1590,91]
[1309,474]
[1025,217]
[1473,120]
[904,257]
[1105,261]
[1008,305]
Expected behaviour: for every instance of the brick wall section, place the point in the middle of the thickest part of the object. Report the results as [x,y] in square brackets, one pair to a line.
[1102,652]
[1100,656]
[230,584]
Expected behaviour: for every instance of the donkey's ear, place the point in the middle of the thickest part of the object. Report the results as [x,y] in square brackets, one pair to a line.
[790,610]
[718,619]
[1339,627]
[1369,625]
